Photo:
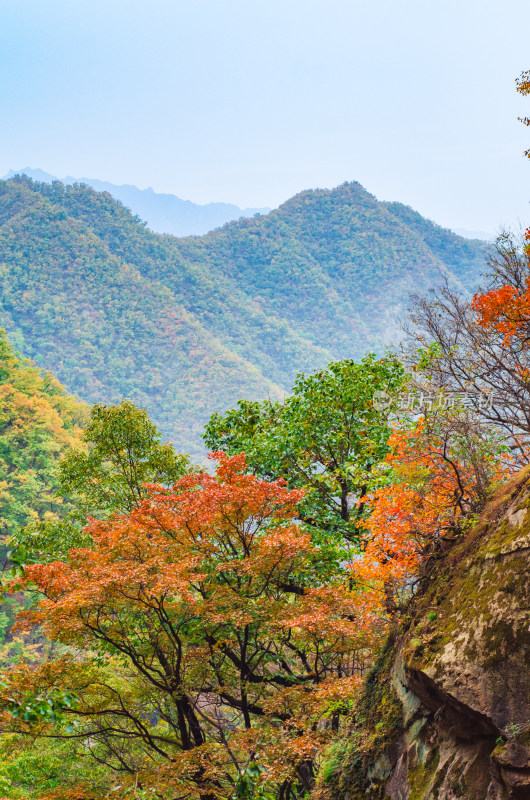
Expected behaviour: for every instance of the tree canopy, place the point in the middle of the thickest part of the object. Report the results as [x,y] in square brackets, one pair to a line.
[120,453]
[123,452]
[205,640]
[478,348]
[325,438]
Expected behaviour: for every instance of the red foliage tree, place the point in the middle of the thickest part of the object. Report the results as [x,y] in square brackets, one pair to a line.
[435,480]
[204,633]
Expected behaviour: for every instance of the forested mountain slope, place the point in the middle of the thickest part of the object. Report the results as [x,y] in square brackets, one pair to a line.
[185,327]
[101,326]
[38,422]
[338,265]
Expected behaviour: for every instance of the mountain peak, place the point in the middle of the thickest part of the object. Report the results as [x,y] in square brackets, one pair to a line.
[184,327]
[164,213]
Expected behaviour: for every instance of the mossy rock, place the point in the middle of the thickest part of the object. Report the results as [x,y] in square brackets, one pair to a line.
[446,710]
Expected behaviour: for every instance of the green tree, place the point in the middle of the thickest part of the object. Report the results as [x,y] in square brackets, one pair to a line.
[125,452]
[60,768]
[325,438]
[121,452]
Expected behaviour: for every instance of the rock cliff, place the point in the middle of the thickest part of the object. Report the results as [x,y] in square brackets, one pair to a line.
[445,712]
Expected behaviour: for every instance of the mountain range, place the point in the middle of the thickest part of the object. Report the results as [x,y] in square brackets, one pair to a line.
[188,326]
[164,213]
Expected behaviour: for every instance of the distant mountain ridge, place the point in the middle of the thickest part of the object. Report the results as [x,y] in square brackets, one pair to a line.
[185,327]
[164,213]
[482,235]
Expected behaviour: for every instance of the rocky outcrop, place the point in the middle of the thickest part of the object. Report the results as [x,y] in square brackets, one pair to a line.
[446,711]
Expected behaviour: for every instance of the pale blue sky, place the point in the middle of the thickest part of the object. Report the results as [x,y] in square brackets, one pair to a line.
[251,101]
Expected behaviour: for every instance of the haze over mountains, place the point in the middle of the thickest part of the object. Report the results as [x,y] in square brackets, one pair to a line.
[184,327]
[167,213]
[164,213]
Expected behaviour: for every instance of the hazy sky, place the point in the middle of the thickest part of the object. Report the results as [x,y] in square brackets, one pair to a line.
[250,101]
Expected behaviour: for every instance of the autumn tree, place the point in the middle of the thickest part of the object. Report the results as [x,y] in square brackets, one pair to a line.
[480,347]
[38,423]
[505,309]
[477,347]
[436,477]
[202,639]
[324,439]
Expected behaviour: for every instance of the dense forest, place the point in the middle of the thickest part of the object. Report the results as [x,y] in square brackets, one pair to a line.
[185,327]
[39,422]
[336,607]
[214,634]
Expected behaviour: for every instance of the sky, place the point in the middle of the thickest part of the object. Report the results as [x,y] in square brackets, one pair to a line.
[251,101]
